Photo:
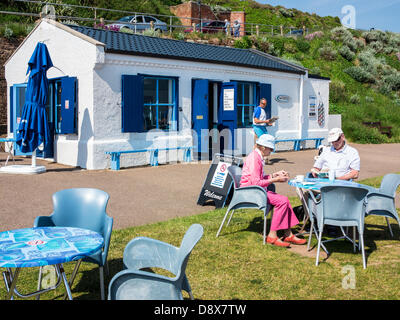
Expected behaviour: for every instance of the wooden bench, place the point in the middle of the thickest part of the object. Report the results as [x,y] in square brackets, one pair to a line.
[387,130]
[116,155]
[297,142]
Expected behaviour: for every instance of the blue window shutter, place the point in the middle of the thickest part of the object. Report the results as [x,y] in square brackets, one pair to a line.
[132,103]
[68,105]
[265,92]
[10,120]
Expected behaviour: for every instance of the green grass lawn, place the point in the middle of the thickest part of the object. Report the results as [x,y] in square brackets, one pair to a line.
[237,265]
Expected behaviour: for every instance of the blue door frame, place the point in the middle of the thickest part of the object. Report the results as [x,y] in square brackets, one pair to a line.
[54,111]
[227,117]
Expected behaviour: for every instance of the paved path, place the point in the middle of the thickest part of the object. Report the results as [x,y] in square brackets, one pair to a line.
[149,194]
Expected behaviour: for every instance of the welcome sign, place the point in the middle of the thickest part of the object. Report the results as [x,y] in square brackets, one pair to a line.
[218,182]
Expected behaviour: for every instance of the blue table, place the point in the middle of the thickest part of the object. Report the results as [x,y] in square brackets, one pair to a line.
[317,184]
[37,247]
[314,184]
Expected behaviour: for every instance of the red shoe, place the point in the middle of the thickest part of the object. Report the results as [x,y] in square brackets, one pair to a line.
[292,239]
[277,242]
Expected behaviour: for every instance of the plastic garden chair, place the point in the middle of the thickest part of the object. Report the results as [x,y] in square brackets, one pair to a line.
[381,202]
[344,207]
[82,208]
[250,197]
[143,252]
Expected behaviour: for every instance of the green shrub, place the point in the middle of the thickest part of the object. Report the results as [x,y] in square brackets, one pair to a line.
[355,99]
[346,53]
[286,13]
[359,74]
[377,46]
[243,43]
[337,91]
[362,134]
[290,47]
[340,33]
[393,80]
[369,99]
[8,33]
[303,45]
[328,53]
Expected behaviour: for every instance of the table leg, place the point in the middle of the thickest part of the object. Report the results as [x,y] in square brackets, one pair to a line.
[14,278]
[71,280]
[65,280]
[300,193]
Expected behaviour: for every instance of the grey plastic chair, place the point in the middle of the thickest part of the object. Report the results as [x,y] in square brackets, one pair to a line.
[143,252]
[251,197]
[381,202]
[82,208]
[344,207]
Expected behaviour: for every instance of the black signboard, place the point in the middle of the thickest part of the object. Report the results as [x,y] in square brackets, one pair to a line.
[218,182]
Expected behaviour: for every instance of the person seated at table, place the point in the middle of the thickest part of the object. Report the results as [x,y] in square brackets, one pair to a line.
[253,175]
[340,157]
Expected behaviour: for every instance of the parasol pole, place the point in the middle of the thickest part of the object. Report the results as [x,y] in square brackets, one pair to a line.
[34,158]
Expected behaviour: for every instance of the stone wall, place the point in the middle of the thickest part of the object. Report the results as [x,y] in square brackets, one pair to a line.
[189,13]
[7,47]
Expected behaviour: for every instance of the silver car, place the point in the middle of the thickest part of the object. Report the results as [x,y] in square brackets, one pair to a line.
[139,23]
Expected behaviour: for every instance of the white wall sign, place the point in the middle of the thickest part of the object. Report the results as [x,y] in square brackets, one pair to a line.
[282,98]
[312,104]
[229,99]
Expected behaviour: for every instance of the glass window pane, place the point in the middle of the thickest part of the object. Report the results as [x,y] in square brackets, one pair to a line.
[164,91]
[246,97]
[240,94]
[165,117]
[150,90]
[150,117]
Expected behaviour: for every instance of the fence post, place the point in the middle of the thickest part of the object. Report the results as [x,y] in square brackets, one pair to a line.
[257,30]
[304,30]
[282,31]
[194,26]
[152,25]
[170,25]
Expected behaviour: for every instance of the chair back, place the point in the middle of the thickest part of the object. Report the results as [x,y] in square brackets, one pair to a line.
[344,203]
[389,184]
[80,208]
[189,241]
[236,174]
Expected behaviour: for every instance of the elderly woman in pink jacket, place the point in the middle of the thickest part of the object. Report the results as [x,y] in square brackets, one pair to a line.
[253,174]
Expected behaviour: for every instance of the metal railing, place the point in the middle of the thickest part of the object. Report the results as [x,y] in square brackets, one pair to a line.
[196,24]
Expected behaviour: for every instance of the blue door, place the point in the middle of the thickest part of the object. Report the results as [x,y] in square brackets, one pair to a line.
[227,118]
[200,117]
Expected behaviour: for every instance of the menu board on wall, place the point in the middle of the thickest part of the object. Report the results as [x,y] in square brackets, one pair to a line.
[312,106]
[229,99]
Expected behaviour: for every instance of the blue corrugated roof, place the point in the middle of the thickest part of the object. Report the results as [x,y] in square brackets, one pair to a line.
[136,44]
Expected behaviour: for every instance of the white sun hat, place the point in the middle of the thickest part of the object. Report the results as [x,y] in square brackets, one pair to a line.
[334,134]
[266,140]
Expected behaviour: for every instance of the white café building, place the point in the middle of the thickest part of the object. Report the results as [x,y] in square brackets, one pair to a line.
[114,91]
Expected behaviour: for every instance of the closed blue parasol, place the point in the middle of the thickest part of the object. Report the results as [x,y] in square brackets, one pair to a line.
[33,129]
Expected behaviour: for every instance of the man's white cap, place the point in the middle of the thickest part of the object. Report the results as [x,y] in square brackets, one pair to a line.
[266,140]
[334,134]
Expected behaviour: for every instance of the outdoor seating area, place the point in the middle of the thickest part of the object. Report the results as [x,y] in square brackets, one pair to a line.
[152,262]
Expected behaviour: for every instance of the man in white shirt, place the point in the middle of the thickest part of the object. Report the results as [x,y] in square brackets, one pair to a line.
[340,157]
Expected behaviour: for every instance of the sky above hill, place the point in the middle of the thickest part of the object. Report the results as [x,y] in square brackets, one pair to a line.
[363,14]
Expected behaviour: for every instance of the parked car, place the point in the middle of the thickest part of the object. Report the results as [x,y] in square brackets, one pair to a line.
[139,23]
[209,27]
[298,32]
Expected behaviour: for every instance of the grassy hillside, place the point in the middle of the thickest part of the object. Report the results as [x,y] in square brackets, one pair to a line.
[364,66]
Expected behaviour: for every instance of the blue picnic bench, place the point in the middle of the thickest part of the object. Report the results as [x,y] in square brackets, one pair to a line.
[296,145]
[116,155]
